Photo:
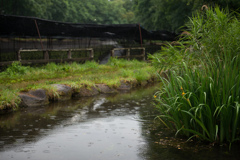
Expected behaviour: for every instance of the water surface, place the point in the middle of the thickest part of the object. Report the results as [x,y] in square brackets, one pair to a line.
[106,127]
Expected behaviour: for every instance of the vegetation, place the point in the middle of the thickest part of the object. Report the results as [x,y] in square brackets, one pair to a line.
[201,99]
[17,78]
[173,14]
[77,11]
[152,14]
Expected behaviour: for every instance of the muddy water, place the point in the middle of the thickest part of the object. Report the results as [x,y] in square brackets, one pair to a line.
[106,127]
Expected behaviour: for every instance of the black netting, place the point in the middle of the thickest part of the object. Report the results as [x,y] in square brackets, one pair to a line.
[24,32]
[17,26]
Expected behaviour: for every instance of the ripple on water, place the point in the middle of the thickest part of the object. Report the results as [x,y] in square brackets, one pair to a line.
[102,111]
[52,117]
[46,151]
[25,134]
[127,104]
[20,140]
[29,130]
[136,107]
[86,130]
[84,127]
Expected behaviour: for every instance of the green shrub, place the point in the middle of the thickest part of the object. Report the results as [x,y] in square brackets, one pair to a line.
[16,69]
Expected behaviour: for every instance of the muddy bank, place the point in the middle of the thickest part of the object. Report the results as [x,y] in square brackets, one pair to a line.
[62,92]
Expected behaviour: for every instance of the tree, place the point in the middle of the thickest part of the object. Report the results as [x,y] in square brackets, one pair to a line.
[25,7]
[129,15]
[172,14]
[77,11]
[144,11]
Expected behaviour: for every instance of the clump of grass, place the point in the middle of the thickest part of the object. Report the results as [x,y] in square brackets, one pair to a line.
[111,82]
[126,72]
[9,99]
[123,63]
[118,63]
[202,101]
[91,65]
[140,75]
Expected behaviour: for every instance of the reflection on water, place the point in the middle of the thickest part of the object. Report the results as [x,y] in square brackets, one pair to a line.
[105,127]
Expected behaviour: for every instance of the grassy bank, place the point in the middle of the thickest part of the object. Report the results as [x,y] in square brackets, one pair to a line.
[17,78]
[201,99]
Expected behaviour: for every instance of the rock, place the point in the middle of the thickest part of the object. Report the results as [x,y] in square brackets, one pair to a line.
[144,83]
[64,92]
[103,88]
[33,98]
[125,86]
[134,83]
[86,92]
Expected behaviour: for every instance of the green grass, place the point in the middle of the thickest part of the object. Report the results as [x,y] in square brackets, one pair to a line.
[202,96]
[9,99]
[18,78]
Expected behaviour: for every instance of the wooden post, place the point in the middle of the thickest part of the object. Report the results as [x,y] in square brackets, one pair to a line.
[69,54]
[128,54]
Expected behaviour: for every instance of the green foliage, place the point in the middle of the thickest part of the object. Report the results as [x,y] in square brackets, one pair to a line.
[202,100]
[168,15]
[58,68]
[126,72]
[169,57]
[152,14]
[117,62]
[76,11]
[173,14]
[25,7]
[90,64]
[15,69]
[141,76]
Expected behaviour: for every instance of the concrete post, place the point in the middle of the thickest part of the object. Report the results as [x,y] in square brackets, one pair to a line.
[128,54]
[19,55]
[46,55]
[69,54]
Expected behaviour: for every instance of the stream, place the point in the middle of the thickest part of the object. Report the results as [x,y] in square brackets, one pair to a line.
[105,127]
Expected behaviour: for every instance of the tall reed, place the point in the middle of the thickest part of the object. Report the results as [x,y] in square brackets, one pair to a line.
[201,99]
